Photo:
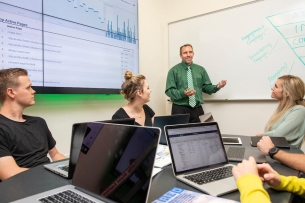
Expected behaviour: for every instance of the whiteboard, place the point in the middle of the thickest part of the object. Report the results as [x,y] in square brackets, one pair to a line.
[249,45]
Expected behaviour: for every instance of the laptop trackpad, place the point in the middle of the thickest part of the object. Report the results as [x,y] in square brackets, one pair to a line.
[236,153]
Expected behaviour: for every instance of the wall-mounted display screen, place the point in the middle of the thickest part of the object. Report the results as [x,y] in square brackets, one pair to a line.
[71,46]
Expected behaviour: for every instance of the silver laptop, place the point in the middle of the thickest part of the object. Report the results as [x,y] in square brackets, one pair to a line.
[66,167]
[161,121]
[238,153]
[115,165]
[197,152]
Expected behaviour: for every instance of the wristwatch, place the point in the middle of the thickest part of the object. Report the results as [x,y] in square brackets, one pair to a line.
[273,151]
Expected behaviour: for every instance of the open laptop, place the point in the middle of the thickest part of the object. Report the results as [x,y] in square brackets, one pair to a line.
[66,167]
[161,121]
[115,165]
[197,151]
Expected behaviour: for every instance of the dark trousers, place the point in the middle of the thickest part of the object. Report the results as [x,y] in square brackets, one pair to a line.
[194,112]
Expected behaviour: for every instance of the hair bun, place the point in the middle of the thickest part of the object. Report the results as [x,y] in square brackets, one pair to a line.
[128,75]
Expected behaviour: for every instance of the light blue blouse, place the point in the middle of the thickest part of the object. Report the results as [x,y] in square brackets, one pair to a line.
[291,126]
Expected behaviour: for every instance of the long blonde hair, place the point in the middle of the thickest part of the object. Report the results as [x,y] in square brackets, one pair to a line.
[293,94]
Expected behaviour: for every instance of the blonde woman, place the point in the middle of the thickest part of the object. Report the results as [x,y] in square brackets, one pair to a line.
[136,90]
[289,118]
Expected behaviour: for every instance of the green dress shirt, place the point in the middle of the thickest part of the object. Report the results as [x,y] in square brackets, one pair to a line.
[176,83]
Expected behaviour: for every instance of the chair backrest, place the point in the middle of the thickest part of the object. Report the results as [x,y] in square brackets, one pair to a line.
[206,117]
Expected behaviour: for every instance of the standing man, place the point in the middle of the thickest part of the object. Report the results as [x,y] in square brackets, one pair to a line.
[25,140]
[185,83]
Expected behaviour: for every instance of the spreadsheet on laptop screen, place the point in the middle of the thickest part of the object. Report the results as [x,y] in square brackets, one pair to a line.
[196,147]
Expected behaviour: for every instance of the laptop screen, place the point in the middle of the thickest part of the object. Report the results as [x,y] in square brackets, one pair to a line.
[161,121]
[195,146]
[79,131]
[116,161]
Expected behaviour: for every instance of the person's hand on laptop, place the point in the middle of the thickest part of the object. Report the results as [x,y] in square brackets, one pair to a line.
[268,175]
[265,144]
[245,167]
[259,135]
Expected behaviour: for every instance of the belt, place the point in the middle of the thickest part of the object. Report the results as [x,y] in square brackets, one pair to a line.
[197,105]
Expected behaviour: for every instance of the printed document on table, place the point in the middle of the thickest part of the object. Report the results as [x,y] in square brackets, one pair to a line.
[163,157]
[186,196]
[156,171]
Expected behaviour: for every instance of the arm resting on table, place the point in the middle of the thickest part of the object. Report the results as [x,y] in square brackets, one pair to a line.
[295,161]
[292,184]
[9,167]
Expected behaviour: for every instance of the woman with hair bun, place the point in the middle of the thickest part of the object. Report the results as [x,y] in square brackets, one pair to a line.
[135,90]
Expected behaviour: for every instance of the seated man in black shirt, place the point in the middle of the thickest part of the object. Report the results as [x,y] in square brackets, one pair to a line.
[25,141]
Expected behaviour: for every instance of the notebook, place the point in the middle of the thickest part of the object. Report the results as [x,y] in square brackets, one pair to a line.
[115,165]
[66,167]
[206,118]
[161,121]
[197,148]
[237,153]
[279,142]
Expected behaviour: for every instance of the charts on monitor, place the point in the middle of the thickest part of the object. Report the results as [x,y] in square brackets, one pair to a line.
[121,24]
[117,17]
[89,13]
[32,5]
[68,43]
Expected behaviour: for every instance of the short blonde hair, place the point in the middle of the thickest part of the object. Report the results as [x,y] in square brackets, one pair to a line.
[9,79]
[131,85]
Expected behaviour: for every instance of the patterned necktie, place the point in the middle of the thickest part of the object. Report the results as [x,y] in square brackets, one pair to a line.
[192,100]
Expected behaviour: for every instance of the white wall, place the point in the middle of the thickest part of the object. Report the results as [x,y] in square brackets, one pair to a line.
[234,117]
[245,118]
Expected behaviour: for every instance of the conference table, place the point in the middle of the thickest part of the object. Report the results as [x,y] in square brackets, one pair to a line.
[39,179]
[165,180]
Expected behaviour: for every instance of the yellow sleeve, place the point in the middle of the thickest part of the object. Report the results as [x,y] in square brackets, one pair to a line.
[292,184]
[251,189]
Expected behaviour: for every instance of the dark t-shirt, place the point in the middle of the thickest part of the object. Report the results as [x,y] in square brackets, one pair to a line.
[27,142]
[149,113]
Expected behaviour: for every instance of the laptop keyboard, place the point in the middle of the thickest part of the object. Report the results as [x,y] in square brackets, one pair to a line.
[66,197]
[65,168]
[210,176]
[236,152]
